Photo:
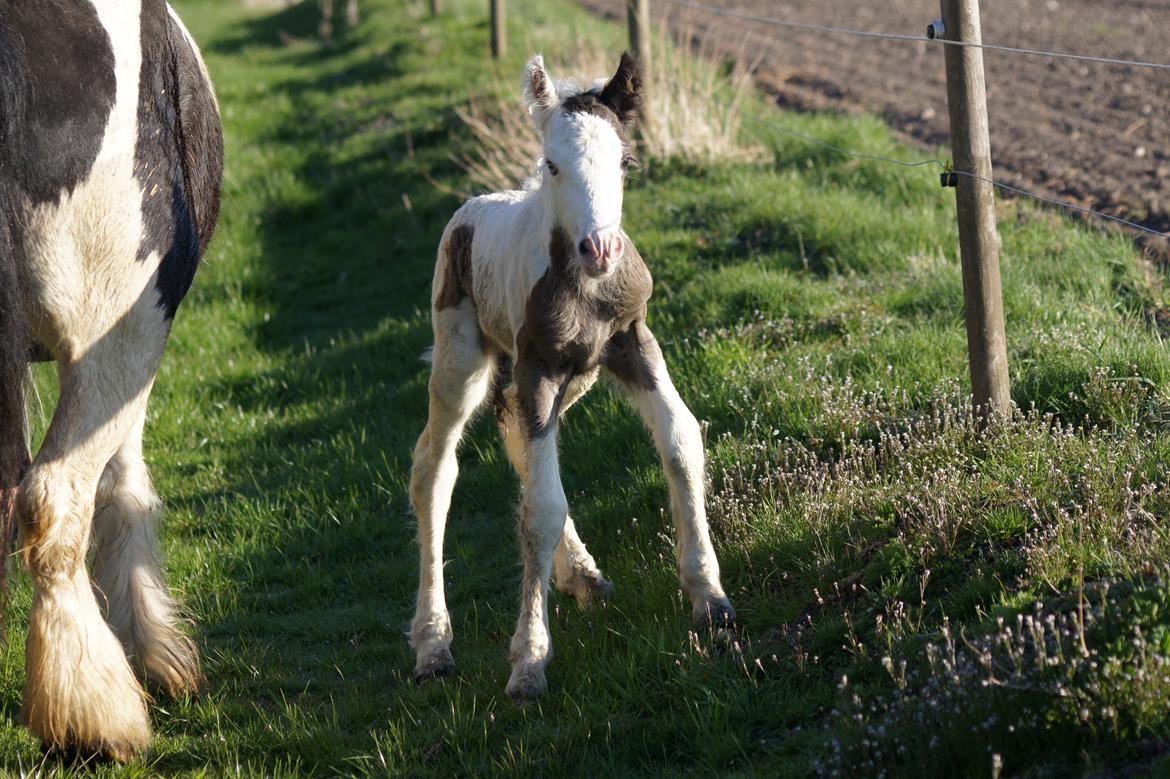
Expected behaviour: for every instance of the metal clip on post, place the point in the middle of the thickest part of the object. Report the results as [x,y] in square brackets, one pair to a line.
[937,31]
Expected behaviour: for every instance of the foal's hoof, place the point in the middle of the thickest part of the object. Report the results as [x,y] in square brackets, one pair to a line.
[436,665]
[587,589]
[715,614]
[526,684]
[600,591]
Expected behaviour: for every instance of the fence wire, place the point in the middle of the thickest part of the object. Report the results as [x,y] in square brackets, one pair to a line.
[769,20]
[942,166]
[923,163]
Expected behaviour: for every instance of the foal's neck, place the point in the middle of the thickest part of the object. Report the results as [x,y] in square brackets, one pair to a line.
[541,214]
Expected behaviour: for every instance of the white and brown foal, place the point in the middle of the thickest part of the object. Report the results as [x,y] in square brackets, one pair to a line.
[545,279]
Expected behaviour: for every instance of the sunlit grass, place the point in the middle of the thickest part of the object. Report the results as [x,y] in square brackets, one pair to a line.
[810,308]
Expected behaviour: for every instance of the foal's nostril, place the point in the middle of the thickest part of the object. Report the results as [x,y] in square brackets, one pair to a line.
[584,247]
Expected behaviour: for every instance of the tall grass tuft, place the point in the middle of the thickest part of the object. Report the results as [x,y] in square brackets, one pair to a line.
[693,105]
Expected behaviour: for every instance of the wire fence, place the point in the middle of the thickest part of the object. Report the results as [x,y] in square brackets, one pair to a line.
[944,166]
[971,173]
[772,21]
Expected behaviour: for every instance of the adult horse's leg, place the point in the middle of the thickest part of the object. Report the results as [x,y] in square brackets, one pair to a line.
[14,350]
[575,572]
[126,569]
[80,692]
[460,378]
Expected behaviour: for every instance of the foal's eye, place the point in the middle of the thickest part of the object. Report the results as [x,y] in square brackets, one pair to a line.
[552,167]
[627,162]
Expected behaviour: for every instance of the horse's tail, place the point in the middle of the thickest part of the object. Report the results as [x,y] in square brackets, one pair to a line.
[14,355]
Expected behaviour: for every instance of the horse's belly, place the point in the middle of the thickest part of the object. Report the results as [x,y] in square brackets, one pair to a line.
[497,331]
[500,299]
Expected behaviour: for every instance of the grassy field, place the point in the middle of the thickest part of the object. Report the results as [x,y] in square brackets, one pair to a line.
[914,599]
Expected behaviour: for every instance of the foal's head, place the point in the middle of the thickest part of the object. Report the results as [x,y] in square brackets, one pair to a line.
[586,155]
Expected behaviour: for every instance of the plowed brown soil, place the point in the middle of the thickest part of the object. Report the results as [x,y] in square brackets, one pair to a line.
[1096,135]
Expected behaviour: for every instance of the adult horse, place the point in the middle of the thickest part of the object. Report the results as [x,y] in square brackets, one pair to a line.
[111,155]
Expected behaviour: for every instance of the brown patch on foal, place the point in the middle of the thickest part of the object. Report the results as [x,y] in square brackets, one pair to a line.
[456,272]
[500,382]
[618,102]
[568,328]
[631,356]
[590,103]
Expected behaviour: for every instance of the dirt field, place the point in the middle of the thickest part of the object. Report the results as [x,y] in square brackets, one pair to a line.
[1092,134]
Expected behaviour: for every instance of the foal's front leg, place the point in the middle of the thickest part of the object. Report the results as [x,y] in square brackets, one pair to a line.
[543,512]
[634,358]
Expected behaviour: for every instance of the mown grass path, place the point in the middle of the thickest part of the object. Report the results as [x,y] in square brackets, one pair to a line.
[806,305]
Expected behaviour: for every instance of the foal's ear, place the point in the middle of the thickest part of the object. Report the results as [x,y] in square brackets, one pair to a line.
[623,93]
[539,91]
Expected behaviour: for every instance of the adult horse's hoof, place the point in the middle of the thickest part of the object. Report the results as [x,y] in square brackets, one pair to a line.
[436,665]
[76,756]
[87,702]
[715,614]
[526,684]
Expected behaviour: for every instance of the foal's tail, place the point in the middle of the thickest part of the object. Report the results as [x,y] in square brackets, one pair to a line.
[14,355]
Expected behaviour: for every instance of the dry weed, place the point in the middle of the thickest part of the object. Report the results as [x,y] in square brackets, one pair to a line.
[692,108]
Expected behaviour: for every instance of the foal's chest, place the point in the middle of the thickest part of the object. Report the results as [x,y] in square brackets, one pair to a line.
[568,320]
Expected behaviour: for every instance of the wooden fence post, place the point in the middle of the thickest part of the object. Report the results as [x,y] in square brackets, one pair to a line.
[638,18]
[975,203]
[436,7]
[499,37]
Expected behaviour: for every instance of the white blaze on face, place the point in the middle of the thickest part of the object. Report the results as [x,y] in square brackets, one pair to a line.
[586,152]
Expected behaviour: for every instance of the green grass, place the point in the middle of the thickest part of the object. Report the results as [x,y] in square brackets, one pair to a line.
[811,311]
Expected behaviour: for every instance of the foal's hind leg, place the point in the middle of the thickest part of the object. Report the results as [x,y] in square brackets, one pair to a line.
[80,692]
[128,575]
[575,573]
[460,378]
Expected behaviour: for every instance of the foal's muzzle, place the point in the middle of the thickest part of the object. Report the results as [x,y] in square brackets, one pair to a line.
[600,252]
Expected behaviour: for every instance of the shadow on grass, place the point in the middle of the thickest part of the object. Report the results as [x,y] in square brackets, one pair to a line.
[309,644]
[296,23]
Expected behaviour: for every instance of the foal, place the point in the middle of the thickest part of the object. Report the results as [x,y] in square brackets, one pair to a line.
[545,279]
